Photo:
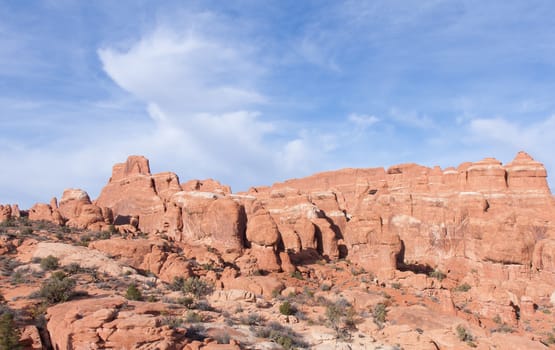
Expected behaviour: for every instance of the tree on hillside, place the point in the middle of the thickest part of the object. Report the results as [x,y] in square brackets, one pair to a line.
[9,333]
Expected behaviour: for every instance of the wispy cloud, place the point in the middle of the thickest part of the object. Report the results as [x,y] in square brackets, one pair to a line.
[362,120]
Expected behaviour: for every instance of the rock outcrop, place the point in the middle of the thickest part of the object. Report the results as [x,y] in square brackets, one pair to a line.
[485,216]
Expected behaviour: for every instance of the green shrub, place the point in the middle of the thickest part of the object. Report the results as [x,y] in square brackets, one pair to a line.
[27,231]
[9,333]
[72,268]
[297,274]
[437,274]
[464,335]
[197,287]
[281,335]
[380,313]
[396,285]
[465,287]
[193,317]
[58,288]
[252,319]
[133,293]
[340,316]
[186,301]
[287,309]
[49,263]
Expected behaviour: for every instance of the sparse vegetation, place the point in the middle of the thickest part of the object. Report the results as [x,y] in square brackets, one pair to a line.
[340,317]
[9,333]
[437,274]
[465,336]
[286,308]
[379,314]
[281,335]
[49,263]
[197,287]
[58,288]
[133,293]
[465,287]
[252,319]
[193,317]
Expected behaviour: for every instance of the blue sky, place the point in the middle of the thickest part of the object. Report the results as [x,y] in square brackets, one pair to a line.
[253,92]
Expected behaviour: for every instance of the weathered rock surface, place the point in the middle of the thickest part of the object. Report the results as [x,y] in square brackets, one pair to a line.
[484,223]
[110,323]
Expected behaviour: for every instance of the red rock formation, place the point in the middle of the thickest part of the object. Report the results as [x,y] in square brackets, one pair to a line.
[485,216]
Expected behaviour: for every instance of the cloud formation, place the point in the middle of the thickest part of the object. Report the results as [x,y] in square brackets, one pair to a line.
[269,91]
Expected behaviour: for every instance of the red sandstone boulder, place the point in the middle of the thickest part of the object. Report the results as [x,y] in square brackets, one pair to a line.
[130,192]
[44,212]
[105,323]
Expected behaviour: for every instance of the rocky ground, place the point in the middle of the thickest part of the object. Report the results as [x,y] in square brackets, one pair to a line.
[404,258]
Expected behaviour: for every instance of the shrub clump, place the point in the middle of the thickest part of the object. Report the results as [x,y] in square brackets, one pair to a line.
[133,293]
[281,335]
[197,287]
[437,274]
[58,288]
[49,263]
[380,314]
[286,308]
[341,317]
[9,333]
[465,336]
[465,287]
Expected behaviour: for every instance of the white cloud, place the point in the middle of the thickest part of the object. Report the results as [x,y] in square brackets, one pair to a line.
[362,120]
[411,119]
[186,72]
[202,93]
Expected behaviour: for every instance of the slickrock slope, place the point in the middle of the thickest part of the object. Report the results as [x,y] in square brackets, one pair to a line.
[478,240]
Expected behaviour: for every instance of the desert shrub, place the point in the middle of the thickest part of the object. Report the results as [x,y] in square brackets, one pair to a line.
[222,338]
[550,339]
[58,288]
[49,263]
[203,305]
[27,231]
[20,276]
[297,274]
[379,314]
[9,333]
[197,287]
[193,317]
[133,293]
[186,301]
[465,287]
[177,284]
[72,268]
[465,336]
[396,285]
[340,317]
[252,319]
[286,308]
[503,328]
[281,335]
[196,332]
[171,321]
[437,274]
[325,287]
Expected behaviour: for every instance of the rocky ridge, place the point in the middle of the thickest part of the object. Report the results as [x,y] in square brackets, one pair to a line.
[485,227]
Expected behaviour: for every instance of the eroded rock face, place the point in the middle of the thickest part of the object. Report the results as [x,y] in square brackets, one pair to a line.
[109,323]
[132,192]
[482,215]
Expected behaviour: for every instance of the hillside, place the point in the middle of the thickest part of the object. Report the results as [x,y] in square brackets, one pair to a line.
[408,257]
